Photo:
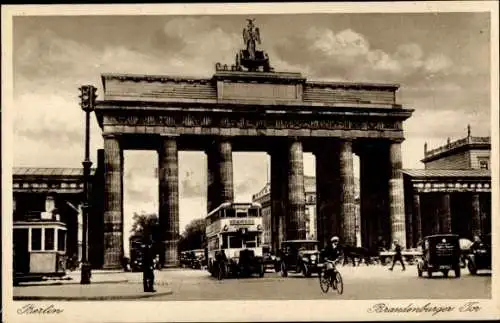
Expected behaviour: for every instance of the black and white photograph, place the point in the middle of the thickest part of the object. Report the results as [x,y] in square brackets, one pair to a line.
[249,162]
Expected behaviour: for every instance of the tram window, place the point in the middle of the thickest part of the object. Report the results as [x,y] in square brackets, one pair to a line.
[235,242]
[253,212]
[36,239]
[241,214]
[49,239]
[225,243]
[61,240]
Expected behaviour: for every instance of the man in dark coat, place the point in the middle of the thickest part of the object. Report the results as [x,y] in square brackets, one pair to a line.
[148,275]
[397,256]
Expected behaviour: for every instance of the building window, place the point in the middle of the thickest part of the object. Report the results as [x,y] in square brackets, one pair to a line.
[36,239]
[49,239]
[483,163]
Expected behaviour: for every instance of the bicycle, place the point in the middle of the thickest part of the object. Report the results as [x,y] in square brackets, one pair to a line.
[330,277]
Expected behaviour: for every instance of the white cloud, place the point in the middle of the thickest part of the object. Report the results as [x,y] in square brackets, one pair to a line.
[437,63]
[345,43]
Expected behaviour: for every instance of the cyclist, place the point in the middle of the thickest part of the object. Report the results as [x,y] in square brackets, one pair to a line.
[333,251]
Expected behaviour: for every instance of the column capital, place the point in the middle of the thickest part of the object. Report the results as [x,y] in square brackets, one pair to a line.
[168,135]
[346,140]
[110,136]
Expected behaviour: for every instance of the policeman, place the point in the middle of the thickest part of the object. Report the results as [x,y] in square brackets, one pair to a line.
[148,275]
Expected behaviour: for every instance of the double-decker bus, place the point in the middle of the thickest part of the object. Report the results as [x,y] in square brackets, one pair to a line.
[234,240]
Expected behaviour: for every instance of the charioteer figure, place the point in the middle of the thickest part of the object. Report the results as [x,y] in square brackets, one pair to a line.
[251,36]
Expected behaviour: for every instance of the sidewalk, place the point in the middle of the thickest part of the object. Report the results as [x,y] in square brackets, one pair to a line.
[105,285]
[96,292]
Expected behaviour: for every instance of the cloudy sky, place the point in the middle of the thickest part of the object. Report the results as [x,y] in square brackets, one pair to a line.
[441,61]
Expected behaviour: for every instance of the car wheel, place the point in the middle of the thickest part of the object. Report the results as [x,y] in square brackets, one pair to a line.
[471,267]
[306,271]
[429,273]
[262,270]
[457,271]
[445,273]
[276,268]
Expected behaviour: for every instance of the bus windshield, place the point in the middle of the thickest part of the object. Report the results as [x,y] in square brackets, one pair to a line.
[253,212]
[231,241]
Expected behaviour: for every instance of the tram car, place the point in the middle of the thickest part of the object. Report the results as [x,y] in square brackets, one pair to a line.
[39,250]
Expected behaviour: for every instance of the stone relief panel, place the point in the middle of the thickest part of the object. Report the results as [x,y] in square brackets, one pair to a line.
[256,122]
[255,91]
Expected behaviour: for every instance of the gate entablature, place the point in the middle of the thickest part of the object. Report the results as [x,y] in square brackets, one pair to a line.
[239,103]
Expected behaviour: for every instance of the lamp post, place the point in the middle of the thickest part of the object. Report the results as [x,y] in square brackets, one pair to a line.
[87,103]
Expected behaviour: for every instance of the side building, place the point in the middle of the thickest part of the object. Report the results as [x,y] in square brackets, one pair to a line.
[56,194]
[452,194]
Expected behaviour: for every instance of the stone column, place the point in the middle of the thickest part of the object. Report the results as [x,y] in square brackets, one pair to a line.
[295,224]
[347,198]
[226,170]
[327,191]
[220,174]
[445,214]
[212,188]
[279,194]
[476,215]
[417,215]
[113,203]
[169,199]
[396,196]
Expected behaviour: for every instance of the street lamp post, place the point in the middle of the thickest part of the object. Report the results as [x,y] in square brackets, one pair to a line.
[87,102]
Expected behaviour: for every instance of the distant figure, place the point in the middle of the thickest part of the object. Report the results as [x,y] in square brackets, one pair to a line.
[397,256]
[148,275]
[157,264]
[477,242]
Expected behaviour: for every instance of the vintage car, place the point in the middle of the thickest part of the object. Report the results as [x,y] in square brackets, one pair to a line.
[479,256]
[300,256]
[440,252]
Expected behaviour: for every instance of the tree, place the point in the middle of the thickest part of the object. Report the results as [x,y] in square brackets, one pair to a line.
[193,236]
[146,226]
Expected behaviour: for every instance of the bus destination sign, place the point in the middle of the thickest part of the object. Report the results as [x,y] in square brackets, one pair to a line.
[242,222]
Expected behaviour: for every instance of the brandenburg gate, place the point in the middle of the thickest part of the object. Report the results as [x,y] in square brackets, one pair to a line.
[250,107]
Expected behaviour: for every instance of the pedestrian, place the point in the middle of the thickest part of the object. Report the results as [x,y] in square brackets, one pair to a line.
[397,256]
[148,275]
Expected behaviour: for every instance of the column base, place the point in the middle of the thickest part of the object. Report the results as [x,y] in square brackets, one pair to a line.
[113,255]
[171,254]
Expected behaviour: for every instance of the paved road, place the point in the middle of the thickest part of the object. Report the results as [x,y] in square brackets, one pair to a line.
[360,283]
[375,282]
